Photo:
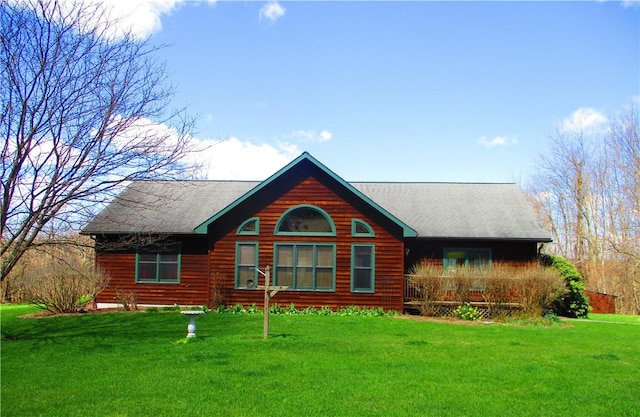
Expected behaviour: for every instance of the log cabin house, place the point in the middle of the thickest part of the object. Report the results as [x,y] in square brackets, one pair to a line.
[331,242]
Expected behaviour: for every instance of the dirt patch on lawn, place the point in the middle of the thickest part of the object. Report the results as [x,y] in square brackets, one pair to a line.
[47,314]
[452,320]
[535,322]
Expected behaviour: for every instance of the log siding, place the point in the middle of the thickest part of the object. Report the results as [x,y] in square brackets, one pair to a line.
[120,266]
[389,250]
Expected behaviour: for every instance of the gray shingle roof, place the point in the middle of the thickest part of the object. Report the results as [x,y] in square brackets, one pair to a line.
[459,210]
[433,210]
[166,206]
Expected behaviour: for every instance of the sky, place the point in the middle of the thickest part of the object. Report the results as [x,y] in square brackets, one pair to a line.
[393,91]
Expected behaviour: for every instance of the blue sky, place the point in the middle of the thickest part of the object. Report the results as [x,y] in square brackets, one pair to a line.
[395,91]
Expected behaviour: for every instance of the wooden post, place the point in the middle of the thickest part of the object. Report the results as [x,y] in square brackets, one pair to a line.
[267,297]
[269,291]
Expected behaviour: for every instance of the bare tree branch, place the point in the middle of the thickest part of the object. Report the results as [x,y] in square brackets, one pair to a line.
[82,114]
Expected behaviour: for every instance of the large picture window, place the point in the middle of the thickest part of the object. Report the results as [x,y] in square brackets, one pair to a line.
[363,268]
[160,266]
[305,266]
[246,264]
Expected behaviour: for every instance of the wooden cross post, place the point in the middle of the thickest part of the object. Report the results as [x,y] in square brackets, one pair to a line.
[267,298]
[269,291]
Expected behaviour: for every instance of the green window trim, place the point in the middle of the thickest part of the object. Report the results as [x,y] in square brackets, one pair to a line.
[246,265]
[361,228]
[158,266]
[305,266]
[288,221]
[363,268]
[250,227]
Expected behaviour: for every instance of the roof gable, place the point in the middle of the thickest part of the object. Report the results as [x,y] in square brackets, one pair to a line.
[304,157]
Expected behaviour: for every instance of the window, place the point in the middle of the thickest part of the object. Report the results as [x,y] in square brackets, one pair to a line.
[305,220]
[249,227]
[160,266]
[246,264]
[305,266]
[361,228]
[466,257]
[362,268]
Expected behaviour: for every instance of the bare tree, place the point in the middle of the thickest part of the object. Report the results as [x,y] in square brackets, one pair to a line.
[563,173]
[587,192]
[623,147]
[83,111]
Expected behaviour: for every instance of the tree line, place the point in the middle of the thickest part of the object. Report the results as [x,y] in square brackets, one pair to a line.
[587,193]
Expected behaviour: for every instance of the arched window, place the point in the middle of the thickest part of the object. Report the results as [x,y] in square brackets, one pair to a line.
[249,227]
[305,219]
[361,228]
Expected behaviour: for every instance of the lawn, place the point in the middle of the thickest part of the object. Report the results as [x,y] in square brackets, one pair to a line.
[615,318]
[137,364]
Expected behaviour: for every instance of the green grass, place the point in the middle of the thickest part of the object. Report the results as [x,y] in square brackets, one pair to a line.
[615,318]
[138,364]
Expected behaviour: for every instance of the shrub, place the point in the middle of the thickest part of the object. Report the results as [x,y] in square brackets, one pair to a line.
[128,299]
[276,309]
[573,303]
[310,311]
[466,312]
[61,289]
[217,294]
[58,279]
[429,285]
[461,284]
[537,288]
[498,295]
[350,311]
[325,311]
[236,309]
[253,309]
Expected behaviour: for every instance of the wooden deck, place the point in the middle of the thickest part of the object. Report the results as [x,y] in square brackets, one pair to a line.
[414,301]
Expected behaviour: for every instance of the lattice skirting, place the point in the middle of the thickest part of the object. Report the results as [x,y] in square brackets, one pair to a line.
[446,309]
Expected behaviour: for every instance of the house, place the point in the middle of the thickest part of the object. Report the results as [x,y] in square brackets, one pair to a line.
[331,242]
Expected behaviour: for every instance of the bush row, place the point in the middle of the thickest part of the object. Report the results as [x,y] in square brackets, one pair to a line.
[531,288]
[311,311]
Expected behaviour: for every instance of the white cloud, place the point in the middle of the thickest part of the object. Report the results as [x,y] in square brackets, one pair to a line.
[584,120]
[325,136]
[141,17]
[272,11]
[310,136]
[497,141]
[630,3]
[233,159]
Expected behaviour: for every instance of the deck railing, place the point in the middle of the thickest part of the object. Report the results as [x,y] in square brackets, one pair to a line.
[412,292]
[415,299]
